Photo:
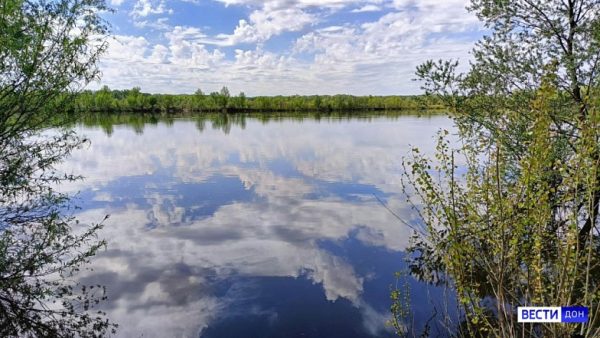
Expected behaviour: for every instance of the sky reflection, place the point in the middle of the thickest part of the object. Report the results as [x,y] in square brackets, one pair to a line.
[269,230]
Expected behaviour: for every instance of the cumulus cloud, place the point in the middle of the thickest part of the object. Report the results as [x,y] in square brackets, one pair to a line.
[365,57]
[367,8]
[143,8]
[262,24]
[299,3]
[186,51]
[160,54]
[127,48]
[160,24]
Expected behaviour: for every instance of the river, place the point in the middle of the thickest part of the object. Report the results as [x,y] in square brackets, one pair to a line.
[250,227]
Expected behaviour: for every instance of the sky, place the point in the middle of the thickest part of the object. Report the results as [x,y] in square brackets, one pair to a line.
[282,47]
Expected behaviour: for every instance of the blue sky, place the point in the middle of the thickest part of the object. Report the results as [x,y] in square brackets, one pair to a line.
[282,47]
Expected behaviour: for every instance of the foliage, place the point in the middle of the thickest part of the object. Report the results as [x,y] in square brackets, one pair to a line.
[48,49]
[400,308]
[520,226]
[106,100]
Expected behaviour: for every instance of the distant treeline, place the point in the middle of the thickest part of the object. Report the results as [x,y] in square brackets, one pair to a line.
[133,100]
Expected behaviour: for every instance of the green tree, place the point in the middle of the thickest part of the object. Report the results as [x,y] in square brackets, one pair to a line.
[223,97]
[520,227]
[133,98]
[242,100]
[104,100]
[48,50]
[198,100]
[224,92]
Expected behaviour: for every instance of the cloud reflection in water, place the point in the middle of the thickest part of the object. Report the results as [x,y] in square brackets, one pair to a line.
[271,230]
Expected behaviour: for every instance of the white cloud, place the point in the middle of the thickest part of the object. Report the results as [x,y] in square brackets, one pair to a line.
[262,24]
[375,57]
[130,58]
[251,59]
[127,48]
[186,51]
[367,8]
[160,54]
[439,16]
[160,23]
[143,8]
[329,4]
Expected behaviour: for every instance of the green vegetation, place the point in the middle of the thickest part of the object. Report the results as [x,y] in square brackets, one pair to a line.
[520,226]
[133,100]
[47,50]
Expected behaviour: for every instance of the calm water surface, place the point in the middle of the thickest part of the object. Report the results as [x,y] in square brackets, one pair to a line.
[254,229]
